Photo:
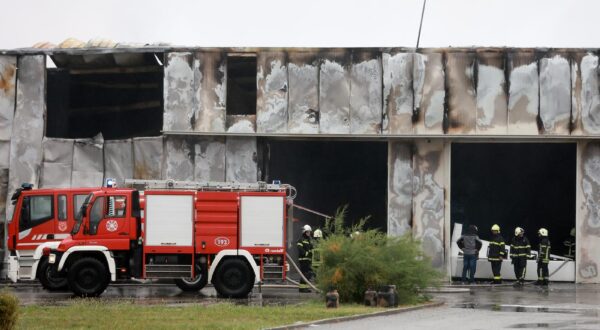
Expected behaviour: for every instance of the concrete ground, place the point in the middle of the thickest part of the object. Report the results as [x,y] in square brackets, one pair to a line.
[562,306]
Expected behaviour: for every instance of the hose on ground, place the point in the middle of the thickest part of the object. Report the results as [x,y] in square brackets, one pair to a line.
[291,261]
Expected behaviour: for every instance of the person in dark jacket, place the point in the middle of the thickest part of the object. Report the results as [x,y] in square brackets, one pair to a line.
[305,250]
[470,244]
[496,253]
[543,257]
[520,249]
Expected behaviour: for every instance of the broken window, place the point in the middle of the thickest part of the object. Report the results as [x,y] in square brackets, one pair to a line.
[119,95]
[241,85]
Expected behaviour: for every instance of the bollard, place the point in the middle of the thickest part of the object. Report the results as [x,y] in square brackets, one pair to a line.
[370,298]
[332,299]
[387,296]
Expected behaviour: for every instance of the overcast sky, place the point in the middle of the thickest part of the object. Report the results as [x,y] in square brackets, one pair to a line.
[318,23]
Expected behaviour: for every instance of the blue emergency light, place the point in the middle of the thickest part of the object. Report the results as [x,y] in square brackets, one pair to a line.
[111,183]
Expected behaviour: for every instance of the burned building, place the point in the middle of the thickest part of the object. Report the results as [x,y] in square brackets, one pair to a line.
[417,138]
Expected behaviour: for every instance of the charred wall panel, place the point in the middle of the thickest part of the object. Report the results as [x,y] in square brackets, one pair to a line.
[3,200]
[400,188]
[118,160]
[366,93]
[179,158]
[241,159]
[241,123]
[272,93]
[303,106]
[210,91]
[178,92]
[576,92]
[28,122]
[461,84]
[334,93]
[57,163]
[590,95]
[429,93]
[8,83]
[588,214]
[555,93]
[523,97]
[209,163]
[492,99]
[397,93]
[148,158]
[88,163]
[428,198]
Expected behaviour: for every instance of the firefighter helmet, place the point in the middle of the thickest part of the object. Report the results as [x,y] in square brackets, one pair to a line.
[519,231]
[495,227]
[306,228]
[318,233]
[543,232]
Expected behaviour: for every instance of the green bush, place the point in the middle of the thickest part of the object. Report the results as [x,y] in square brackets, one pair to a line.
[9,311]
[372,259]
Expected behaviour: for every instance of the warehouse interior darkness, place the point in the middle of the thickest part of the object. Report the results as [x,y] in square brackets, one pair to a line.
[329,174]
[530,185]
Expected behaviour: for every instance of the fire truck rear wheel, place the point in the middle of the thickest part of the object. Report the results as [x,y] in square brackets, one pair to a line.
[49,279]
[234,279]
[88,277]
[193,284]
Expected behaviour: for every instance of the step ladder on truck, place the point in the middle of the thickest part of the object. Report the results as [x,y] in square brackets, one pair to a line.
[229,234]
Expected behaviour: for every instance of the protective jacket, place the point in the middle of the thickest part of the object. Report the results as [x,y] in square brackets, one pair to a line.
[496,249]
[520,247]
[544,251]
[305,248]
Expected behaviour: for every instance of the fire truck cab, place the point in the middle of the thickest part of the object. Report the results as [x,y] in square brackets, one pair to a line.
[41,219]
[229,234]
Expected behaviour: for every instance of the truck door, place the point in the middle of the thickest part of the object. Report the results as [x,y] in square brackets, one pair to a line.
[109,221]
[35,220]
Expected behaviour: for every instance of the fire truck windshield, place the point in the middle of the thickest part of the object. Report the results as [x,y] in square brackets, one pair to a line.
[81,214]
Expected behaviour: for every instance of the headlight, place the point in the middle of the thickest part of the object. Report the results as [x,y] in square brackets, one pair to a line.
[52,258]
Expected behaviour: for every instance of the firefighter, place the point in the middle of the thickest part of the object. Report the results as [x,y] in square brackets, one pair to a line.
[316,255]
[520,249]
[470,244]
[496,253]
[305,247]
[570,244]
[543,257]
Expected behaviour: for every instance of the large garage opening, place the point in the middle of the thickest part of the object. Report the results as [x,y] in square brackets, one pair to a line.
[530,185]
[329,174]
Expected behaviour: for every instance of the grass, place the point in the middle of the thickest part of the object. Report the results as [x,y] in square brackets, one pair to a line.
[94,314]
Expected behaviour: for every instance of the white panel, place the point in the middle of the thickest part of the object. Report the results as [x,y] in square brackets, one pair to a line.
[169,220]
[262,221]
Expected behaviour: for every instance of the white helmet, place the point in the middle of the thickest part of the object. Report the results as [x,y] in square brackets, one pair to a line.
[318,233]
[543,232]
[306,228]
[519,231]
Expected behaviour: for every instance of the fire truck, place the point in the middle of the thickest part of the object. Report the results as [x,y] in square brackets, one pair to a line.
[229,234]
[41,219]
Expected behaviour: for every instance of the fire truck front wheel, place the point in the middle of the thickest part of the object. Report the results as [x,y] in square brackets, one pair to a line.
[88,277]
[49,278]
[193,284]
[233,279]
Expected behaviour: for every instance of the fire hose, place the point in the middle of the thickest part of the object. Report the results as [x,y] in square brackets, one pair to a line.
[289,259]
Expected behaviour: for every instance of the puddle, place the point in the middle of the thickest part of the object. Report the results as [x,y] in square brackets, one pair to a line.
[517,308]
[556,325]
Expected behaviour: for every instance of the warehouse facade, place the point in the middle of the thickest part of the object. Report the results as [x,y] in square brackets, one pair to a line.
[387,127]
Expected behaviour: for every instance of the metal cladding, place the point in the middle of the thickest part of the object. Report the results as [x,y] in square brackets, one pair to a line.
[588,217]
[88,163]
[492,99]
[178,92]
[118,159]
[334,93]
[209,162]
[57,163]
[523,97]
[210,91]
[366,93]
[28,122]
[8,83]
[461,76]
[429,92]
[241,159]
[590,94]
[555,93]
[272,93]
[303,106]
[398,94]
[576,92]
[241,123]
[400,188]
[428,199]
[179,158]
[148,158]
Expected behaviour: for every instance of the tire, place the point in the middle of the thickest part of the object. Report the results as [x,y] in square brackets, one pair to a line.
[49,278]
[233,279]
[195,284]
[88,277]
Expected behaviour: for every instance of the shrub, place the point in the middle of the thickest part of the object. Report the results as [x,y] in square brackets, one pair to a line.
[9,311]
[370,260]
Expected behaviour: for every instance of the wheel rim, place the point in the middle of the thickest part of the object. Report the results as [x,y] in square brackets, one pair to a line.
[195,280]
[88,278]
[233,278]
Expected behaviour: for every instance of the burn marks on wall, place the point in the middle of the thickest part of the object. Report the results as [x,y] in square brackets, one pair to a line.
[272,92]
[491,93]
[588,219]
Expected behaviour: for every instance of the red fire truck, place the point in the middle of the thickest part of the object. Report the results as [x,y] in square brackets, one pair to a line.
[41,219]
[229,234]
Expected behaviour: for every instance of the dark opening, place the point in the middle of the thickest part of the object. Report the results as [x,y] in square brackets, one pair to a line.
[241,85]
[330,174]
[529,185]
[119,102]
